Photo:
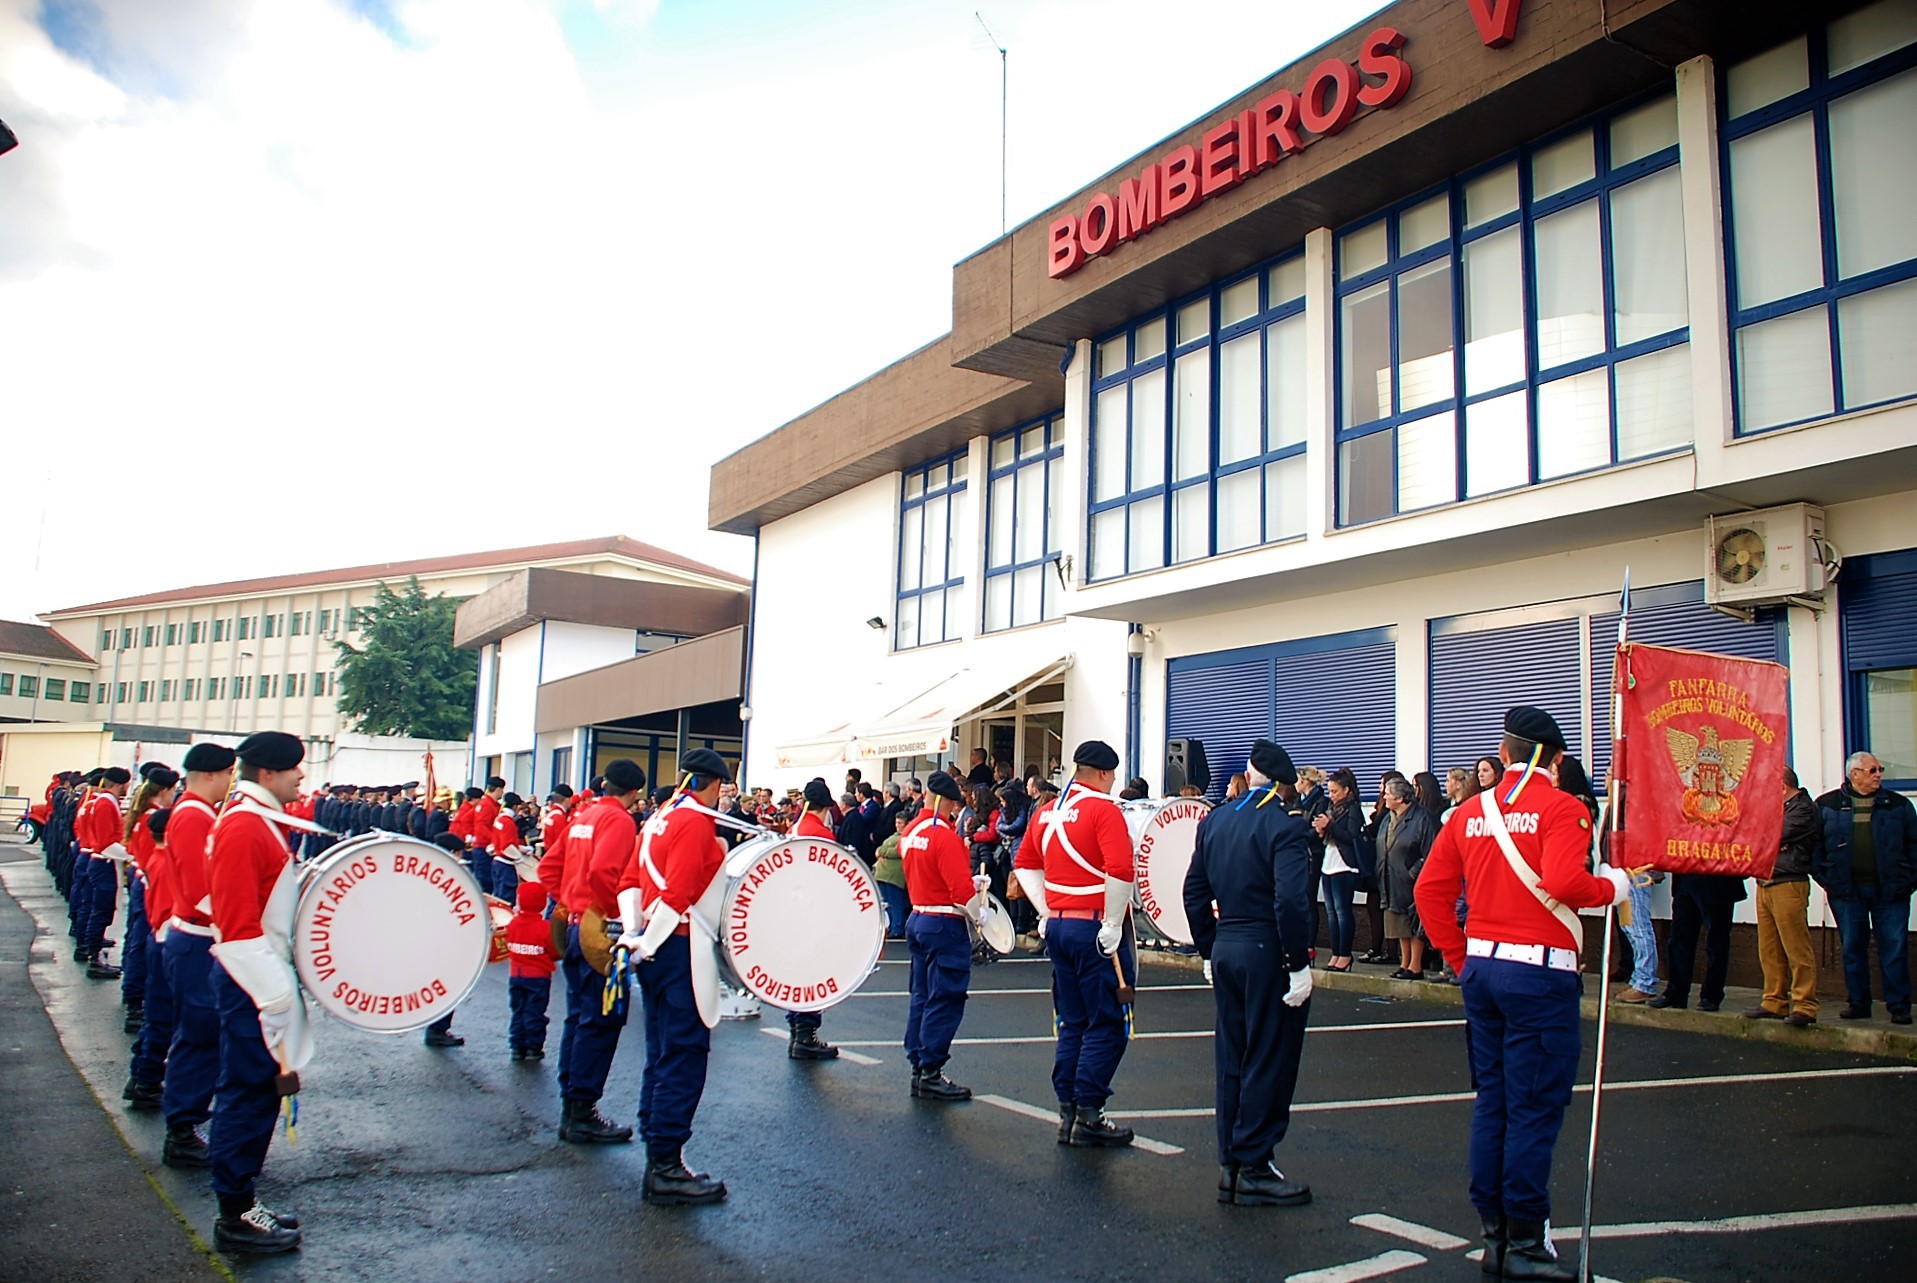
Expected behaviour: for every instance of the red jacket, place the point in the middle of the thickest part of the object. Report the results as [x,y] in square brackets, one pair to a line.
[485,811]
[189,837]
[938,865]
[552,864]
[505,832]
[98,825]
[246,858]
[683,849]
[155,871]
[597,848]
[813,825]
[1089,823]
[529,937]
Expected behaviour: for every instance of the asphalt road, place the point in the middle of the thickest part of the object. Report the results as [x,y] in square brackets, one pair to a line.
[427,1165]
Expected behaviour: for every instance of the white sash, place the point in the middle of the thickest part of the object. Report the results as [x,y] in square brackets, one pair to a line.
[1055,828]
[1494,823]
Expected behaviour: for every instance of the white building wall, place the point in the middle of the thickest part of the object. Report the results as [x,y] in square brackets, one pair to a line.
[38,707]
[576,648]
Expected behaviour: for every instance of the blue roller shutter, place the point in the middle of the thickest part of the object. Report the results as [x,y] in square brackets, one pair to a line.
[1877,614]
[1227,707]
[1479,673]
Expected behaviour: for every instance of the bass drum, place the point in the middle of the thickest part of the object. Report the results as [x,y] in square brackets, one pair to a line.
[1164,836]
[390,933]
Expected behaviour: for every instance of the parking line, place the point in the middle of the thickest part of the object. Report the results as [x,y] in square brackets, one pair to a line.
[1021,1040]
[986,993]
[1370,1268]
[1741,1224]
[1050,1116]
[844,1054]
[1411,1231]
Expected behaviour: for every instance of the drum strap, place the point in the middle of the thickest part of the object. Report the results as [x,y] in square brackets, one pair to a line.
[1501,834]
[1054,821]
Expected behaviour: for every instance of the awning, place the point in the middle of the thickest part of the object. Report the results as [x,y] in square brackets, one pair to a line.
[832,750]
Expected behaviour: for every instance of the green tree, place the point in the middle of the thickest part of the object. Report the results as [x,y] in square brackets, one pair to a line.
[406,679]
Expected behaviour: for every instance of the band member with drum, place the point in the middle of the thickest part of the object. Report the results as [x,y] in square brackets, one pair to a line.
[552,824]
[193,1058]
[1522,848]
[944,894]
[1253,860]
[506,849]
[97,829]
[1078,875]
[262,1014]
[814,822]
[675,862]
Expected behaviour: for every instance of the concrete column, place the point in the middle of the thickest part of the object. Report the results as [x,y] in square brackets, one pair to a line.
[1711,422]
[1321,473]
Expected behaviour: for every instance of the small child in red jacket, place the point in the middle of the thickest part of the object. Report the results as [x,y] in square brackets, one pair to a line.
[531,957]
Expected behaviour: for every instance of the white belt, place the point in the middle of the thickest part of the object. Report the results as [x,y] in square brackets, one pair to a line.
[941,910]
[1532,955]
[192,929]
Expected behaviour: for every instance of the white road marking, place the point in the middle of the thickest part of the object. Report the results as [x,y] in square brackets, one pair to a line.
[906,962]
[1411,1231]
[1370,1268]
[1050,1116]
[1743,1224]
[987,993]
[844,1054]
[1033,1039]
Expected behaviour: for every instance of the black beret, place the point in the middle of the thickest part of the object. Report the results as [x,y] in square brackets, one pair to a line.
[160,777]
[663,794]
[818,793]
[512,799]
[271,750]
[147,769]
[703,761]
[156,823]
[116,775]
[450,842]
[624,776]
[1536,725]
[208,757]
[1096,754]
[939,784]
[562,790]
[1271,761]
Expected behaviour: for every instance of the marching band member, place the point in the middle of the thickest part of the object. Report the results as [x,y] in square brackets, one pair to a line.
[1522,849]
[147,880]
[944,893]
[506,848]
[552,823]
[664,876]
[531,957]
[805,1043]
[156,789]
[193,1058]
[263,1033]
[1254,862]
[97,829]
[1084,851]
[485,815]
[462,826]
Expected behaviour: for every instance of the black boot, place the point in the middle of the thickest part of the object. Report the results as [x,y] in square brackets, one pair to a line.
[936,1086]
[98,970]
[135,1017]
[285,1220]
[918,1076]
[443,1038]
[1493,1245]
[253,1230]
[141,1097]
[1266,1186]
[807,1045]
[581,1124]
[185,1147]
[81,955]
[1227,1182]
[1092,1130]
[1067,1115]
[670,1184]
[1528,1253]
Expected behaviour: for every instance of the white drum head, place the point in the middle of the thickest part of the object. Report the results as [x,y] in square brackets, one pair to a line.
[801,925]
[995,926]
[390,933]
[1164,835]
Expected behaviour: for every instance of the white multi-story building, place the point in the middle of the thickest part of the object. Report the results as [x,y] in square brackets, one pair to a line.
[43,676]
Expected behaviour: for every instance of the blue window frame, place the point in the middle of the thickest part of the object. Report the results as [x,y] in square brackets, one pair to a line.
[1023,471]
[1877,602]
[1198,426]
[1525,321]
[1820,172]
[931,579]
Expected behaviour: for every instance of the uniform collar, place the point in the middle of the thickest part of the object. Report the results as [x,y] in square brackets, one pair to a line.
[257,795]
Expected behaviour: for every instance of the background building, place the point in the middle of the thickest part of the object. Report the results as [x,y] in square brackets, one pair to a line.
[43,677]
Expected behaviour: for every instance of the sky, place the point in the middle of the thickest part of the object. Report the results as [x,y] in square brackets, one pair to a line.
[294,284]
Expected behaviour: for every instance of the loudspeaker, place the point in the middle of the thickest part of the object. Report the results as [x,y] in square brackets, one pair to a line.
[1185,764]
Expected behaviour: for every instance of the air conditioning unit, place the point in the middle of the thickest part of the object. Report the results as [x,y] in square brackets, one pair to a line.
[1766,556]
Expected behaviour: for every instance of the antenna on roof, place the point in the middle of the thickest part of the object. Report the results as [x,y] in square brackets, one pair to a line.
[1004,74]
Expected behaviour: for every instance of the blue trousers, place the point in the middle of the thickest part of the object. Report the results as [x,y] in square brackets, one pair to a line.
[594,1036]
[797,1020]
[528,998]
[677,1046]
[246,1105]
[941,950]
[193,1058]
[897,905]
[443,1025]
[1091,1021]
[149,1049]
[1869,911]
[1523,1025]
[96,894]
[482,866]
[1257,1048]
[1339,888]
[133,950]
[506,880]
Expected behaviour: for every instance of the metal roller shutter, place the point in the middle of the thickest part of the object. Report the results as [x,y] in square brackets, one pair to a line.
[1477,675]
[1877,602]
[1227,707]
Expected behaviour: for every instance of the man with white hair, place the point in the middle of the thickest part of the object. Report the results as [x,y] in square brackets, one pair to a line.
[1868,867]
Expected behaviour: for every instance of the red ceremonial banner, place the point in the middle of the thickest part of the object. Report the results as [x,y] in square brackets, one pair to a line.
[1701,759]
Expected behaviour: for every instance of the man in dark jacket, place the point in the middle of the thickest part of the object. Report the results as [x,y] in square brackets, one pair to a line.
[1783,915]
[1868,867]
[1700,903]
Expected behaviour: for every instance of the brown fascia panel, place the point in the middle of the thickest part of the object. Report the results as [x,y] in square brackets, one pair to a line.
[607,601]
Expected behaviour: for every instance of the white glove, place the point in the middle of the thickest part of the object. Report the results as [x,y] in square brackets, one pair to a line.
[658,931]
[1042,919]
[630,917]
[1208,971]
[1620,882]
[981,883]
[117,853]
[1109,934]
[1299,991]
[273,1025]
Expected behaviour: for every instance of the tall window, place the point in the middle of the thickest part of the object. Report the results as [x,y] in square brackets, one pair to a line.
[6,683]
[219,630]
[56,688]
[172,634]
[1198,431]
[1821,176]
[1562,270]
[196,632]
[1021,525]
[146,635]
[931,606]
[126,638]
[106,639]
[79,692]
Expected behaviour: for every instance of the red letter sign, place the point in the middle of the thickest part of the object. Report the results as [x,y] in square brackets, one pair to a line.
[1066,256]
[1497,21]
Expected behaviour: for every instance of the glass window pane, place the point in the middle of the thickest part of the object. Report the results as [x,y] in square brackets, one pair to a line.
[1048,581]
[1108,444]
[1285,382]
[1053,473]
[1493,311]
[1654,402]
[1890,720]
[1574,424]
[1425,224]
[1148,430]
[1108,543]
[1191,522]
[1004,451]
[1647,257]
[1366,338]
[1871,32]
[958,467]
[914,484]
[1032,442]
[999,522]
[1148,340]
[1760,81]
[1028,595]
[1497,445]
[1194,321]
[1361,251]
[1644,131]
[1491,195]
[1285,498]
[1774,215]
[1238,302]
[906,631]
[1783,369]
[1425,373]
[1878,330]
[1240,495]
[1285,283]
[1570,286]
[1562,165]
[931,618]
[998,602]
[911,531]
[1029,544]
[1147,542]
[1873,162]
[1427,463]
[1364,479]
[936,547]
[1240,434]
[1111,356]
[1191,406]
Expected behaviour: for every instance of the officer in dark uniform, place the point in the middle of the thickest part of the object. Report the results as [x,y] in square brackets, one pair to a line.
[1253,859]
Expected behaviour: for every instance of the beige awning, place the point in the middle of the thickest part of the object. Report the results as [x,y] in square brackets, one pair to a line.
[927,724]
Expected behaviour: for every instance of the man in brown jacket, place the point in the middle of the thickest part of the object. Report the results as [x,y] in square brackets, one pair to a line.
[1783,916]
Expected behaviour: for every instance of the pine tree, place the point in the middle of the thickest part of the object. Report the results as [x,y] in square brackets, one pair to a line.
[406,678]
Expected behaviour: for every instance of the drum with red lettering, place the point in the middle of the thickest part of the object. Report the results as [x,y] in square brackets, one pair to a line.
[800,923]
[1164,836]
[390,933]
